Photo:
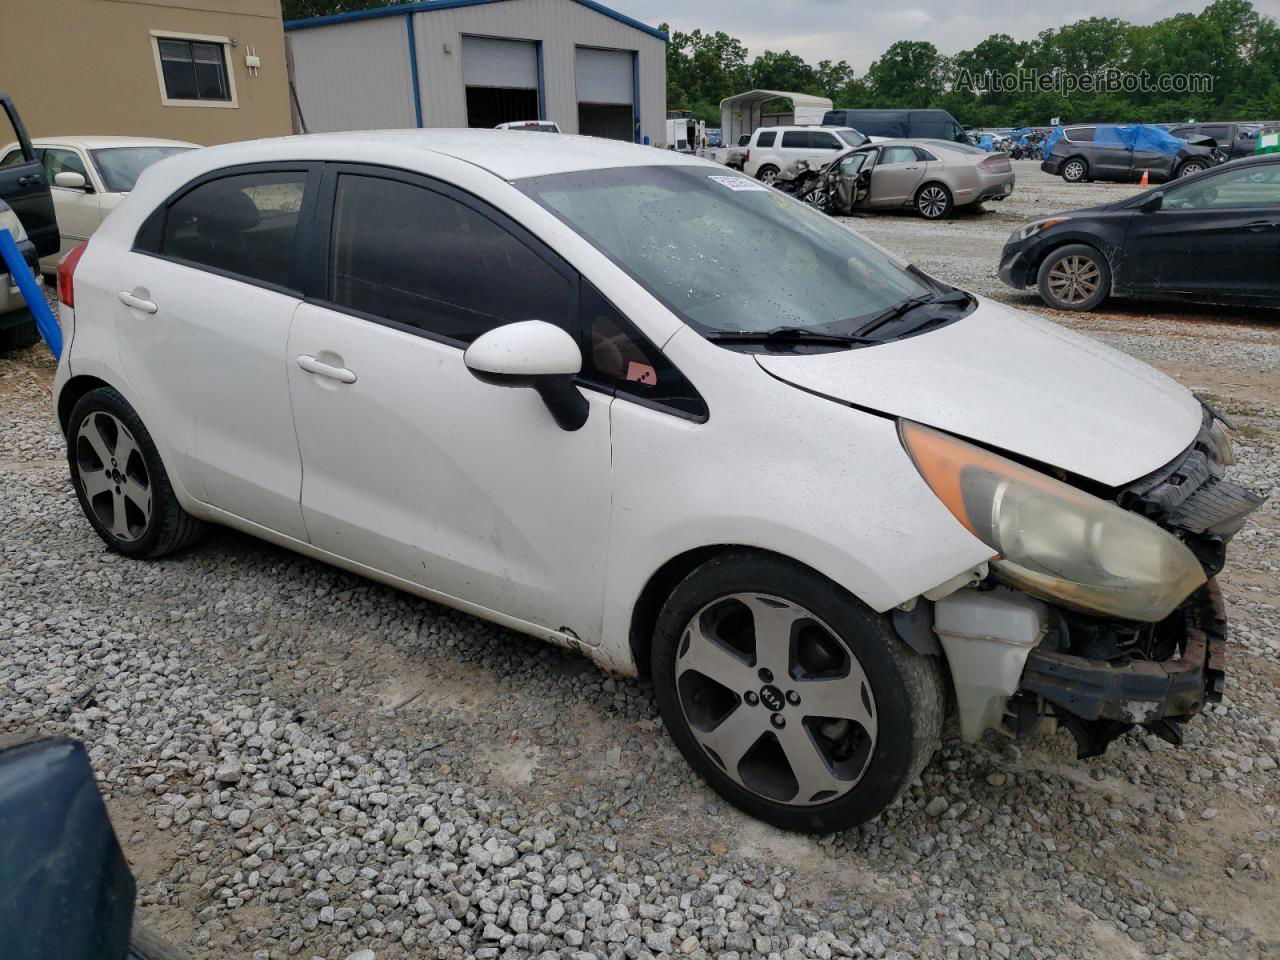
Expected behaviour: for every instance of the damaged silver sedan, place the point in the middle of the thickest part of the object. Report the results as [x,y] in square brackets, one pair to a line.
[933,177]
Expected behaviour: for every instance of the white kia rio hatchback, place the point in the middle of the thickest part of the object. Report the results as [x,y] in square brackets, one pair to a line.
[637,404]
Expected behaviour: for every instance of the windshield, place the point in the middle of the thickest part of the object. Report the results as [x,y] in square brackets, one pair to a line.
[852,137]
[725,252]
[120,167]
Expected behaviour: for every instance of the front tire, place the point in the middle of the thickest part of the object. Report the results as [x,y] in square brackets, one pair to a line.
[1074,277]
[1075,170]
[933,202]
[121,482]
[1191,167]
[794,701]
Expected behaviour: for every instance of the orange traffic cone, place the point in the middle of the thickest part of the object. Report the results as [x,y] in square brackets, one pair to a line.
[1145,181]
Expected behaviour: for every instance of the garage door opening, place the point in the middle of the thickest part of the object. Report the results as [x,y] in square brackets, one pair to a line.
[611,120]
[490,106]
[501,77]
[606,93]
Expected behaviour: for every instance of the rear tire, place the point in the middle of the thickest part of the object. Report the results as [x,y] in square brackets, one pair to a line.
[1075,170]
[830,716]
[933,202]
[767,174]
[19,335]
[121,482]
[1075,277]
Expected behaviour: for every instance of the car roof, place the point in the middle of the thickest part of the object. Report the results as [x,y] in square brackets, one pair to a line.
[804,126]
[508,154]
[96,142]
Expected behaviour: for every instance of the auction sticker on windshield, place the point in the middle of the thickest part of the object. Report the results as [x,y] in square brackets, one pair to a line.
[739,183]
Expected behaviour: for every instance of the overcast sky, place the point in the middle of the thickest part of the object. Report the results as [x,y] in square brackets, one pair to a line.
[860,31]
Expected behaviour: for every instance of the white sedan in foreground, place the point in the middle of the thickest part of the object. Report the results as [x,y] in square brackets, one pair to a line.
[88,177]
[632,403]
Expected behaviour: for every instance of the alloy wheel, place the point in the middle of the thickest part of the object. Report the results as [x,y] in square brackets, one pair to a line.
[768,177]
[1074,171]
[932,202]
[1074,279]
[113,476]
[1188,169]
[776,699]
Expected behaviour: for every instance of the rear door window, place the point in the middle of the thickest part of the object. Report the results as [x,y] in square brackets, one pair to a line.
[796,140]
[242,225]
[423,259]
[898,155]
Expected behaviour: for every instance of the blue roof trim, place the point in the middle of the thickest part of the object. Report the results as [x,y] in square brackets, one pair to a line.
[426,6]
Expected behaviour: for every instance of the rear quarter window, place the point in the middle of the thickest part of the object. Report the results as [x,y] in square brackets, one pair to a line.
[243,225]
[766,139]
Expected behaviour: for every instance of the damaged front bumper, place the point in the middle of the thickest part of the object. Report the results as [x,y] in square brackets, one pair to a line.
[1025,664]
[1011,668]
[1097,700]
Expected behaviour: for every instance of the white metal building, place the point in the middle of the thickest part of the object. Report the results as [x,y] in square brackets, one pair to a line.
[478,63]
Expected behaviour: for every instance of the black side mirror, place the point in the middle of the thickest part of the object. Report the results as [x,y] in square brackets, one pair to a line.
[1152,203]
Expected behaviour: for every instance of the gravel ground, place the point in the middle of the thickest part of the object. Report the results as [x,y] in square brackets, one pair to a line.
[303,763]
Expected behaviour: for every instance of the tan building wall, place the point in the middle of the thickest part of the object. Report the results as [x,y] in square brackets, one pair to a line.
[90,67]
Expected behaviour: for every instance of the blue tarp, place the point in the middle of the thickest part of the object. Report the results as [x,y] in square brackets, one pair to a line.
[1131,136]
[46,322]
[987,142]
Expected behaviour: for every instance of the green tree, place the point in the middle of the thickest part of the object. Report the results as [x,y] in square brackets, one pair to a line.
[908,74]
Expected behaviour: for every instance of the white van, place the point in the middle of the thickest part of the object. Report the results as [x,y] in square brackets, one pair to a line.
[773,149]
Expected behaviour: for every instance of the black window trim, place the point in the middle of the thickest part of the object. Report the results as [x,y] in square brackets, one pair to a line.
[316,279]
[155,223]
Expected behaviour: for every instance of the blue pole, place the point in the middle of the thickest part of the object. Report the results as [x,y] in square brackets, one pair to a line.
[46,322]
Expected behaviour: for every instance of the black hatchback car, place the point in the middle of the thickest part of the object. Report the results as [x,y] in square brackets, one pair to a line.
[1213,237]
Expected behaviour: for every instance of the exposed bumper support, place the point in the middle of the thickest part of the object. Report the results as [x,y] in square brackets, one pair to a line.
[1140,691]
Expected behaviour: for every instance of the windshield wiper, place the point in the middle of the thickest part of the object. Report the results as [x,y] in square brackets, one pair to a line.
[951,298]
[786,335]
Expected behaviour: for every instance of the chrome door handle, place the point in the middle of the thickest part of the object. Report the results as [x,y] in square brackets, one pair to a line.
[129,300]
[312,365]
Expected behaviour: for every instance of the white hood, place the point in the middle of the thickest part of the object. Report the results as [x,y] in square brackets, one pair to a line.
[1018,383]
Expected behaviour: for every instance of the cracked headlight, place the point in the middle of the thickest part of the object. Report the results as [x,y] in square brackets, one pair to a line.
[1055,541]
[1031,229]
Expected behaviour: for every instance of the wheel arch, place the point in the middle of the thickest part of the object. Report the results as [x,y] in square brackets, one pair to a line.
[72,391]
[648,605]
[1067,241]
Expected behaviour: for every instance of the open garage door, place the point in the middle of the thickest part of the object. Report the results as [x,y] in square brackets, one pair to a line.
[501,78]
[606,93]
